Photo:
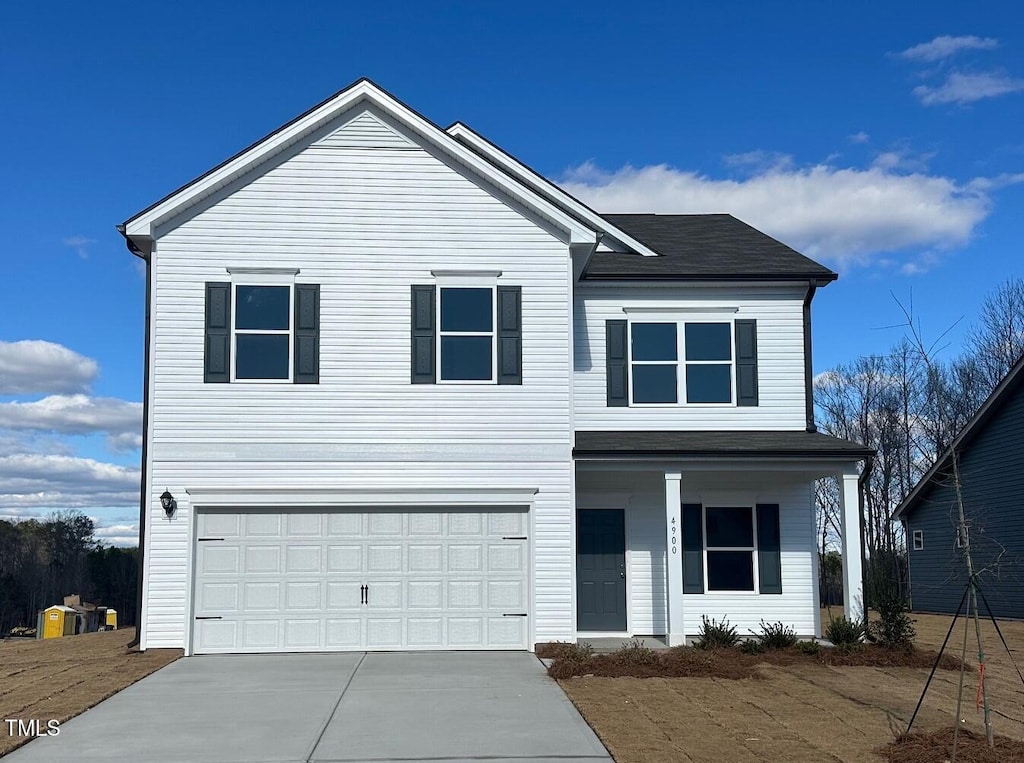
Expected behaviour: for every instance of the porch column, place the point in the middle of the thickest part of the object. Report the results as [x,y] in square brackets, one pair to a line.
[849,504]
[673,557]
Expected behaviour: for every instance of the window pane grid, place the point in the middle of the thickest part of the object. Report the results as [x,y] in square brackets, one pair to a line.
[261,325]
[730,568]
[702,353]
[463,312]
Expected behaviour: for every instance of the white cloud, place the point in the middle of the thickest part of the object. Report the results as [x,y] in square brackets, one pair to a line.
[859,137]
[80,244]
[33,481]
[117,535]
[967,88]
[837,214]
[34,365]
[946,45]
[74,414]
[124,442]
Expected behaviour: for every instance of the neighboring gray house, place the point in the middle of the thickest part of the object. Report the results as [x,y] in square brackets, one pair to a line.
[991,464]
[405,393]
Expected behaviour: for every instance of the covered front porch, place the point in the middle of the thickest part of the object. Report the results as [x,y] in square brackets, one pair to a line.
[715,526]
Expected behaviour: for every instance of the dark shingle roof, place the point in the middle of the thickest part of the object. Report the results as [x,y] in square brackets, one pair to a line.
[703,247]
[767,444]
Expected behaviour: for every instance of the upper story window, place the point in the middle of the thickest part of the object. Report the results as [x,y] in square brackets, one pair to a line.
[681,362]
[466,347]
[262,329]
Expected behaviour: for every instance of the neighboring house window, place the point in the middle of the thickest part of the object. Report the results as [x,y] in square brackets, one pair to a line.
[466,322]
[729,548]
[262,331]
[470,334]
[681,362]
[919,540]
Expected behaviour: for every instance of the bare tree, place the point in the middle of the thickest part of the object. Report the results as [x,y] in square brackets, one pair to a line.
[998,336]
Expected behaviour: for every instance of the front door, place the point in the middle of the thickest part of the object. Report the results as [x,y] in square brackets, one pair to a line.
[601,570]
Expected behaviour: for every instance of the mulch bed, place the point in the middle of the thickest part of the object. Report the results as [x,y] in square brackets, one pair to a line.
[684,662]
[937,746]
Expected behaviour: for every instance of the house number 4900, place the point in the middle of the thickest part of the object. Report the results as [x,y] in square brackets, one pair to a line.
[673,538]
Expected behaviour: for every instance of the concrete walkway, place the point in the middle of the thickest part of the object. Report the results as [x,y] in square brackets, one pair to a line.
[442,706]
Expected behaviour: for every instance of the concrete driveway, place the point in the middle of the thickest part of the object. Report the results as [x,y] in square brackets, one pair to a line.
[442,706]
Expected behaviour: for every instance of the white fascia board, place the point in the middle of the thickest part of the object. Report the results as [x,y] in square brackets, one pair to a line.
[544,186]
[143,224]
[235,497]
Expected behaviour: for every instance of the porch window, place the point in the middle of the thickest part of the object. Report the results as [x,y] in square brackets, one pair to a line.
[729,548]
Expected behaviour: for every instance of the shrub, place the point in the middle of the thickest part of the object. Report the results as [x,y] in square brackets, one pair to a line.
[716,635]
[894,628]
[635,653]
[844,633]
[561,650]
[808,647]
[776,636]
[753,646]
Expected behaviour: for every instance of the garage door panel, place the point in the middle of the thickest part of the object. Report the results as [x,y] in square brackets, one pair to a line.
[346,580]
[300,559]
[305,595]
[262,597]
[345,559]
[346,595]
[218,560]
[263,560]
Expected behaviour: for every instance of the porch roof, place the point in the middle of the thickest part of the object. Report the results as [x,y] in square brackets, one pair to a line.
[768,444]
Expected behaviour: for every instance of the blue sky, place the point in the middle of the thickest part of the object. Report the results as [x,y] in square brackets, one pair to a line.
[880,139]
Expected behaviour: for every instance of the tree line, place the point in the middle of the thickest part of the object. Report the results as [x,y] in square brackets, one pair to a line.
[42,561]
[908,404]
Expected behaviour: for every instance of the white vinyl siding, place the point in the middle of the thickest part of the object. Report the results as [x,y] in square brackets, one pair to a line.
[778,311]
[365,213]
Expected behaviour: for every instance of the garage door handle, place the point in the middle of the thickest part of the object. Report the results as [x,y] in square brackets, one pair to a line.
[210,617]
[364,594]
[202,539]
[514,537]
[514,614]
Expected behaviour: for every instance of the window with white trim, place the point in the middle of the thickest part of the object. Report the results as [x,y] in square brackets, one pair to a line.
[730,548]
[691,362]
[262,332]
[466,346]
[918,540]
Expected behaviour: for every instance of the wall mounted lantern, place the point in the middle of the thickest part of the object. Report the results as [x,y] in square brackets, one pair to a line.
[168,502]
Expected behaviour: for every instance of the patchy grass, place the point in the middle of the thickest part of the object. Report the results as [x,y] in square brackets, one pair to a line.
[937,747]
[61,678]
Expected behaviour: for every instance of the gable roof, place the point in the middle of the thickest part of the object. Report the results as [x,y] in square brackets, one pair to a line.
[542,185]
[142,224]
[990,408]
[703,248]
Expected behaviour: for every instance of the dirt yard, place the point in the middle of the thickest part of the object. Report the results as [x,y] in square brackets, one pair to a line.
[802,713]
[61,678]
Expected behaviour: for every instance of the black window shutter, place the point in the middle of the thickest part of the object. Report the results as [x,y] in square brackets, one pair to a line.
[693,549]
[217,348]
[307,334]
[769,550]
[424,336]
[617,375]
[746,362]
[510,335]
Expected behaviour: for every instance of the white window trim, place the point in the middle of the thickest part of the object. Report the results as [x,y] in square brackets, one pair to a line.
[751,549]
[264,277]
[918,540]
[680,362]
[493,333]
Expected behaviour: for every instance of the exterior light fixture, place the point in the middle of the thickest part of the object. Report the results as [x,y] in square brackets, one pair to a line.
[168,502]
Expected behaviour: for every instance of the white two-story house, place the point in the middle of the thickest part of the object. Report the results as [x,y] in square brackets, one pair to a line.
[404,393]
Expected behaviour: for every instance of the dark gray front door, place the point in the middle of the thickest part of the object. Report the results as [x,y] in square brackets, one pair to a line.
[601,570]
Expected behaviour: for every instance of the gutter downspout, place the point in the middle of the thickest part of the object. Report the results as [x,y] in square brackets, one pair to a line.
[865,475]
[145,439]
[812,286]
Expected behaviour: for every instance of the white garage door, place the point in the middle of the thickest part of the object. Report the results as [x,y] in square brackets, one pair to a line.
[272,581]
